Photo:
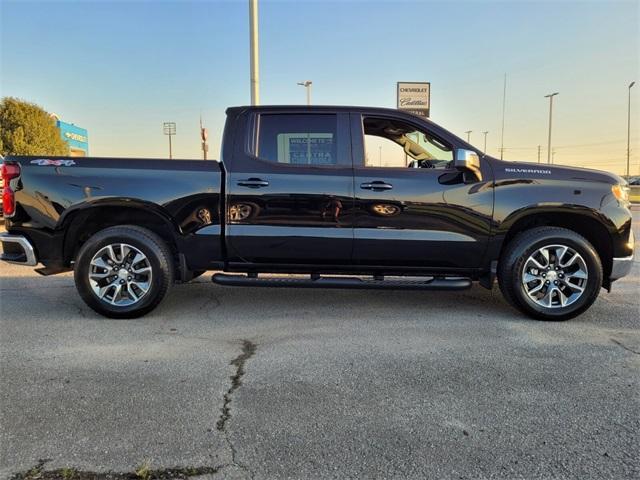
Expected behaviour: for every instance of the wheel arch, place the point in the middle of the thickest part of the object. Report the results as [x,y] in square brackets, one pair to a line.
[82,222]
[587,223]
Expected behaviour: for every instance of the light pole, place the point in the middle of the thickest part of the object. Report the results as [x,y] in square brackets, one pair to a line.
[468,132]
[485,141]
[504,107]
[629,129]
[169,128]
[254,48]
[307,84]
[550,97]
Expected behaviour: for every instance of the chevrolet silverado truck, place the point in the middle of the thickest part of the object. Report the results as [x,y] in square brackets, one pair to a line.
[343,197]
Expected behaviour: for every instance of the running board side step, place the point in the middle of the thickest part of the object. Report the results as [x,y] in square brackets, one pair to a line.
[431,283]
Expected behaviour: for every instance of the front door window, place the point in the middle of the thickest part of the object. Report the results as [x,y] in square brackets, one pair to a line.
[395,144]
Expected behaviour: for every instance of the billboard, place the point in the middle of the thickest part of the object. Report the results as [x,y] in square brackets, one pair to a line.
[414,97]
[76,137]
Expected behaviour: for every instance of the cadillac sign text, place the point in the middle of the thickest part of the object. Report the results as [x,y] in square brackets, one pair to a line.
[414,97]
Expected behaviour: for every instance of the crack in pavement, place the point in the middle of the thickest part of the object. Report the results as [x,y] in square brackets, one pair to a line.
[248,350]
[620,344]
[39,473]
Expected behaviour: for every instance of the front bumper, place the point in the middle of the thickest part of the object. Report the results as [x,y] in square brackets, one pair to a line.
[621,266]
[17,249]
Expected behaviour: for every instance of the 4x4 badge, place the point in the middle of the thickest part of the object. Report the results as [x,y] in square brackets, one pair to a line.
[55,163]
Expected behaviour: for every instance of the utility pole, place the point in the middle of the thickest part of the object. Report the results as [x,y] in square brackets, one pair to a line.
[254,48]
[629,129]
[504,106]
[485,141]
[307,84]
[468,132]
[550,97]
[169,128]
[204,134]
[538,153]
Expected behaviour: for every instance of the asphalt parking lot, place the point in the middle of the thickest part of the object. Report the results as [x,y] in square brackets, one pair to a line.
[224,382]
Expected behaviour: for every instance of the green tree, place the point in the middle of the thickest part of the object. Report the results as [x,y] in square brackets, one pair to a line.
[27,129]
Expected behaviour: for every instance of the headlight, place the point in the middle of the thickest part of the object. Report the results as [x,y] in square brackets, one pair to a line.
[621,192]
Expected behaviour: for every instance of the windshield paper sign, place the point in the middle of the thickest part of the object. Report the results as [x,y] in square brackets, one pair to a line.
[306,148]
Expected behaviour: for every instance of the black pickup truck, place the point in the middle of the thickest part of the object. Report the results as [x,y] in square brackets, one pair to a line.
[345,197]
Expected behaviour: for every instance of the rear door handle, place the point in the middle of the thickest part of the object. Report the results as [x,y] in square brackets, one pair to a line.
[253,183]
[376,185]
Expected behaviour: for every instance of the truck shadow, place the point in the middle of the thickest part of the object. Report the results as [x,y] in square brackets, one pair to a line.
[56,298]
[214,300]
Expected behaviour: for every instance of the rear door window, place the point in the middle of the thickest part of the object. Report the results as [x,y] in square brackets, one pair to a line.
[299,139]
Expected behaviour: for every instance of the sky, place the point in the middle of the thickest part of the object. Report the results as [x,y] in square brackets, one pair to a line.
[122,68]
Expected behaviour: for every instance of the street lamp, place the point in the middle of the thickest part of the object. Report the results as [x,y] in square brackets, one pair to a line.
[254,52]
[629,129]
[468,132]
[504,106]
[307,84]
[550,97]
[485,141]
[169,128]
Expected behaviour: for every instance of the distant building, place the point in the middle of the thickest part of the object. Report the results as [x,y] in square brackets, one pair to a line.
[76,137]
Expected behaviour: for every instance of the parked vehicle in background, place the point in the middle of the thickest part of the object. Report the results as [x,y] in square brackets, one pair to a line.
[353,197]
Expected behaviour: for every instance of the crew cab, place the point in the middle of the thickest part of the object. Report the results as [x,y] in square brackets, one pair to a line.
[349,197]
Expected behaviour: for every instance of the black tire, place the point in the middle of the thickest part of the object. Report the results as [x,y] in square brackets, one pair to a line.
[158,257]
[512,263]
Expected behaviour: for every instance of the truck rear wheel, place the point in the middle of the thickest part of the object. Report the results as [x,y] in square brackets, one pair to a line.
[124,271]
[550,273]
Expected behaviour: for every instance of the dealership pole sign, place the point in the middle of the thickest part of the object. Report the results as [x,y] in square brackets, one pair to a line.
[415,97]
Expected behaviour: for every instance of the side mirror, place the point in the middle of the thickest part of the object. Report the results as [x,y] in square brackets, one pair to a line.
[468,160]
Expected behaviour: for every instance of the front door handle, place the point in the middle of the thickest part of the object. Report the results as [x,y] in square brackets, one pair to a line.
[376,185]
[253,183]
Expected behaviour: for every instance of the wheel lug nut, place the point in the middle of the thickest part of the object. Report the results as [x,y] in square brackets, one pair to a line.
[547,282]
[555,282]
[129,278]
[121,282]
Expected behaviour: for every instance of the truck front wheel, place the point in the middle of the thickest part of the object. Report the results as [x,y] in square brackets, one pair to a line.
[124,271]
[550,273]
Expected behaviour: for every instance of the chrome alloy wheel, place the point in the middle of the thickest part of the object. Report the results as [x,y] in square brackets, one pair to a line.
[554,276]
[120,274]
